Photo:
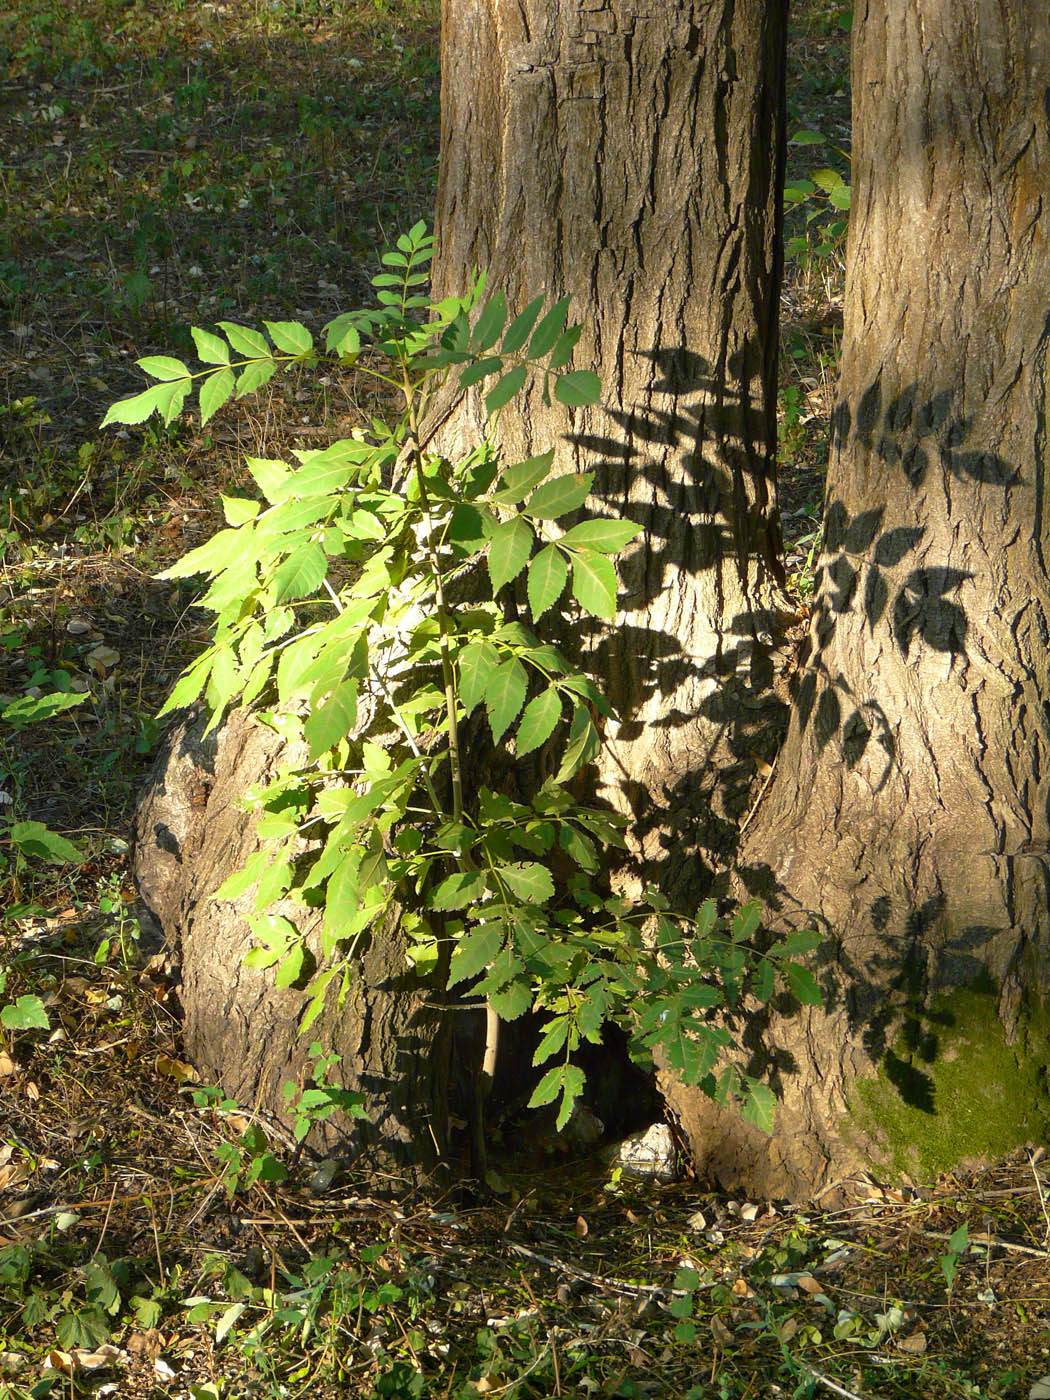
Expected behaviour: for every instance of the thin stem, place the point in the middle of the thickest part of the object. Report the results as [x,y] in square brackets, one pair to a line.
[381,683]
[444,625]
[483,1083]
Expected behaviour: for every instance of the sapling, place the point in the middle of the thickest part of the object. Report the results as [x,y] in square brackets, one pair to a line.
[358,603]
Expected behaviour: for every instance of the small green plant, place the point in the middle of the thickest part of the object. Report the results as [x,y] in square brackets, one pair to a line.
[124,934]
[957,1247]
[25,844]
[25,1013]
[320,1100]
[361,603]
[826,199]
[245,1159]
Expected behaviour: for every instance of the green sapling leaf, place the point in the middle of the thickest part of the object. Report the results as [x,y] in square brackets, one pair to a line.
[538,722]
[548,573]
[331,721]
[531,883]
[290,337]
[238,510]
[760,1106]
[564,1079]
[549,329]
[26,1014]
[520,328]
[269,475]
[510,999]
[501,394]
[517,481]
[706,918]
[957,1246]
[562,352]
[746,921]
[828,180]
[577,388]
[474,951]
[555,1034]
[582,747]
[505,696]
[254,376]
[509,550]
[245,340]
[214,392]
[341,893]
[28,709]
[603,536]
[560,496]
[594,583]
[166,399]
[490,323]
[302,573]
[243,879]
[804,986]
[473,374]
[163,367]
[211,350]
[37,840]
[478,663]
[459,890]
[290,967]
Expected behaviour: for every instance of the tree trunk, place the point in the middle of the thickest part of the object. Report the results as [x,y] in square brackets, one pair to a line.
[629,154]
[909,810]
[240,1030]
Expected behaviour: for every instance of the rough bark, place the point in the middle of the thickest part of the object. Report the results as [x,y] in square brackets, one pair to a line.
[909,811]
[628,154]
[240,1030]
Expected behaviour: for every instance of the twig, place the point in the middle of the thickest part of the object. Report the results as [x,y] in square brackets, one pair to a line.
[105,1222]
[107,1206]
[990,1241]
[758,800]
[651,1290]
[831,1385]
[1033,1159]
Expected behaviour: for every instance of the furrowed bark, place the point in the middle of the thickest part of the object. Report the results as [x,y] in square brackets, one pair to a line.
[629,155]
[909,812]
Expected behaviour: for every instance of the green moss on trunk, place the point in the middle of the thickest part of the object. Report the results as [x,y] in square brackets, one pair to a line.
[951,1088]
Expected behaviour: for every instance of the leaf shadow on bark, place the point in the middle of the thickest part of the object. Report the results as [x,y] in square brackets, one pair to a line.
[897,953]
[692,464]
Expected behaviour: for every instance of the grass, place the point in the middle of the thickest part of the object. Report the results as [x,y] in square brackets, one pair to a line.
[168,164]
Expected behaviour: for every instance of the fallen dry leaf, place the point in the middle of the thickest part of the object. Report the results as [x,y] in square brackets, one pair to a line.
[914,1344]
[149,1343]
[103,658]
[720,1331]
[178,1070]
[13,1174]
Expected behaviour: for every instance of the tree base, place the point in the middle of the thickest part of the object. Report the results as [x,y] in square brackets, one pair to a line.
[241,1032]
